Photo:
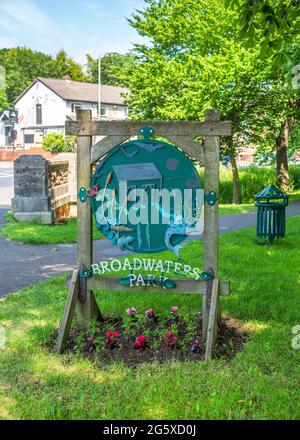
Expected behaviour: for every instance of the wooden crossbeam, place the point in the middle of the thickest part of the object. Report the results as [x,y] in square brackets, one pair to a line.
[182,286]
[162,128]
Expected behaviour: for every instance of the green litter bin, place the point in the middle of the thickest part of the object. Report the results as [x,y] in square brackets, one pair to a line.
[271,203]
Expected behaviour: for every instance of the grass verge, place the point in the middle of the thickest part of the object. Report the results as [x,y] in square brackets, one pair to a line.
[34,233]
[261,382]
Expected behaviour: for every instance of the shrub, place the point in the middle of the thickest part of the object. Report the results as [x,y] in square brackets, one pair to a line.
[58,143]
[252,180]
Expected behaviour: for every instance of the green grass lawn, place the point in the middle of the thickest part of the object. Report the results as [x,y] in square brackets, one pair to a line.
[236,209]
[34,233]
[261,382]
[246,207]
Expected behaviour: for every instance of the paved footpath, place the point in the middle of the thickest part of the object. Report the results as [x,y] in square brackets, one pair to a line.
[22,265]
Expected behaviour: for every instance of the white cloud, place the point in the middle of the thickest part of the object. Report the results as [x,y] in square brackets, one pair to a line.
[25,14]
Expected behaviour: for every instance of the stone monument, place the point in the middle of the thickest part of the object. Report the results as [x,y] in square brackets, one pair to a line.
[31,190]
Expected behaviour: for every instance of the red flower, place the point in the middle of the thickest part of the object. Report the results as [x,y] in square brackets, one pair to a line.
[111,338]
[170,340]
[141,342]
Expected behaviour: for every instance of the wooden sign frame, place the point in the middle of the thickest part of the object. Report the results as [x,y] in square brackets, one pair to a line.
[113,133]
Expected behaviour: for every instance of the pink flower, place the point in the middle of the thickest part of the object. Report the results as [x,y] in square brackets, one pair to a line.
[141,342]
[174,309]
[131,311]
[149,313]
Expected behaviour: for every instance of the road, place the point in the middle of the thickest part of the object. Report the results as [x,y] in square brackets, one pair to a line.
[6,183]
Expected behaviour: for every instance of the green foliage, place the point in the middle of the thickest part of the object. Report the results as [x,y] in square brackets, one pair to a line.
[274,22]
[261,383]
[66,66]
[115,68]
[276,26]
[55,143]
[3,100]
[196,60]
[23,65]
[58,143]
[252,180]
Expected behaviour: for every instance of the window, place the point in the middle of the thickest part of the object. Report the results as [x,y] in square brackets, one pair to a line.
[39,119]
[29,138]
[103,110]
[75,106]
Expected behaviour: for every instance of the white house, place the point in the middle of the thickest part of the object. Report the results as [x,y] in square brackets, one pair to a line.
[47,103]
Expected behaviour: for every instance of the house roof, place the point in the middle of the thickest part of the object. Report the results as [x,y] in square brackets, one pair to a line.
[82,92]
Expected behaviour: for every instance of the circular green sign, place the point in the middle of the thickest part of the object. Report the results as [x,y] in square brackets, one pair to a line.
[129,195]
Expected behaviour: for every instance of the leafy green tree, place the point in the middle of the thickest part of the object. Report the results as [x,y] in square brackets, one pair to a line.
[194,61]
[276,25]
[22,66]
[115,68]
[3,100]
[275,21]
[66,66]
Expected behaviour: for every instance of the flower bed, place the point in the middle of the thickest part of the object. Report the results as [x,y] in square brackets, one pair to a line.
[148,337]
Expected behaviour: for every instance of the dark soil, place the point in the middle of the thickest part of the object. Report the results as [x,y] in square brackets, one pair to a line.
[189,345]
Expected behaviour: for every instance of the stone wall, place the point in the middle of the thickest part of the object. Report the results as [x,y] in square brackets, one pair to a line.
[58,173]
[45,189]
[31,199]
[63,185]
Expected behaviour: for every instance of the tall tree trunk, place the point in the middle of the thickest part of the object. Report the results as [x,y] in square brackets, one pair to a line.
[283,178]
[236,187]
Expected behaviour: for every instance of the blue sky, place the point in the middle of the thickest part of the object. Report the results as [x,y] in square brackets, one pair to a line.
[78,26]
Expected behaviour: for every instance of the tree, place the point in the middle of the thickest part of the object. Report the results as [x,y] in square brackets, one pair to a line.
[3,100]
[66,66]
[22,66]
[194,61]
[115,68]
[276,21]
[276,25]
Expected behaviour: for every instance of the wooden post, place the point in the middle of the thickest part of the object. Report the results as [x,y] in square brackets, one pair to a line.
[66,321]
[211,212]
[89,308]
[211,330]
